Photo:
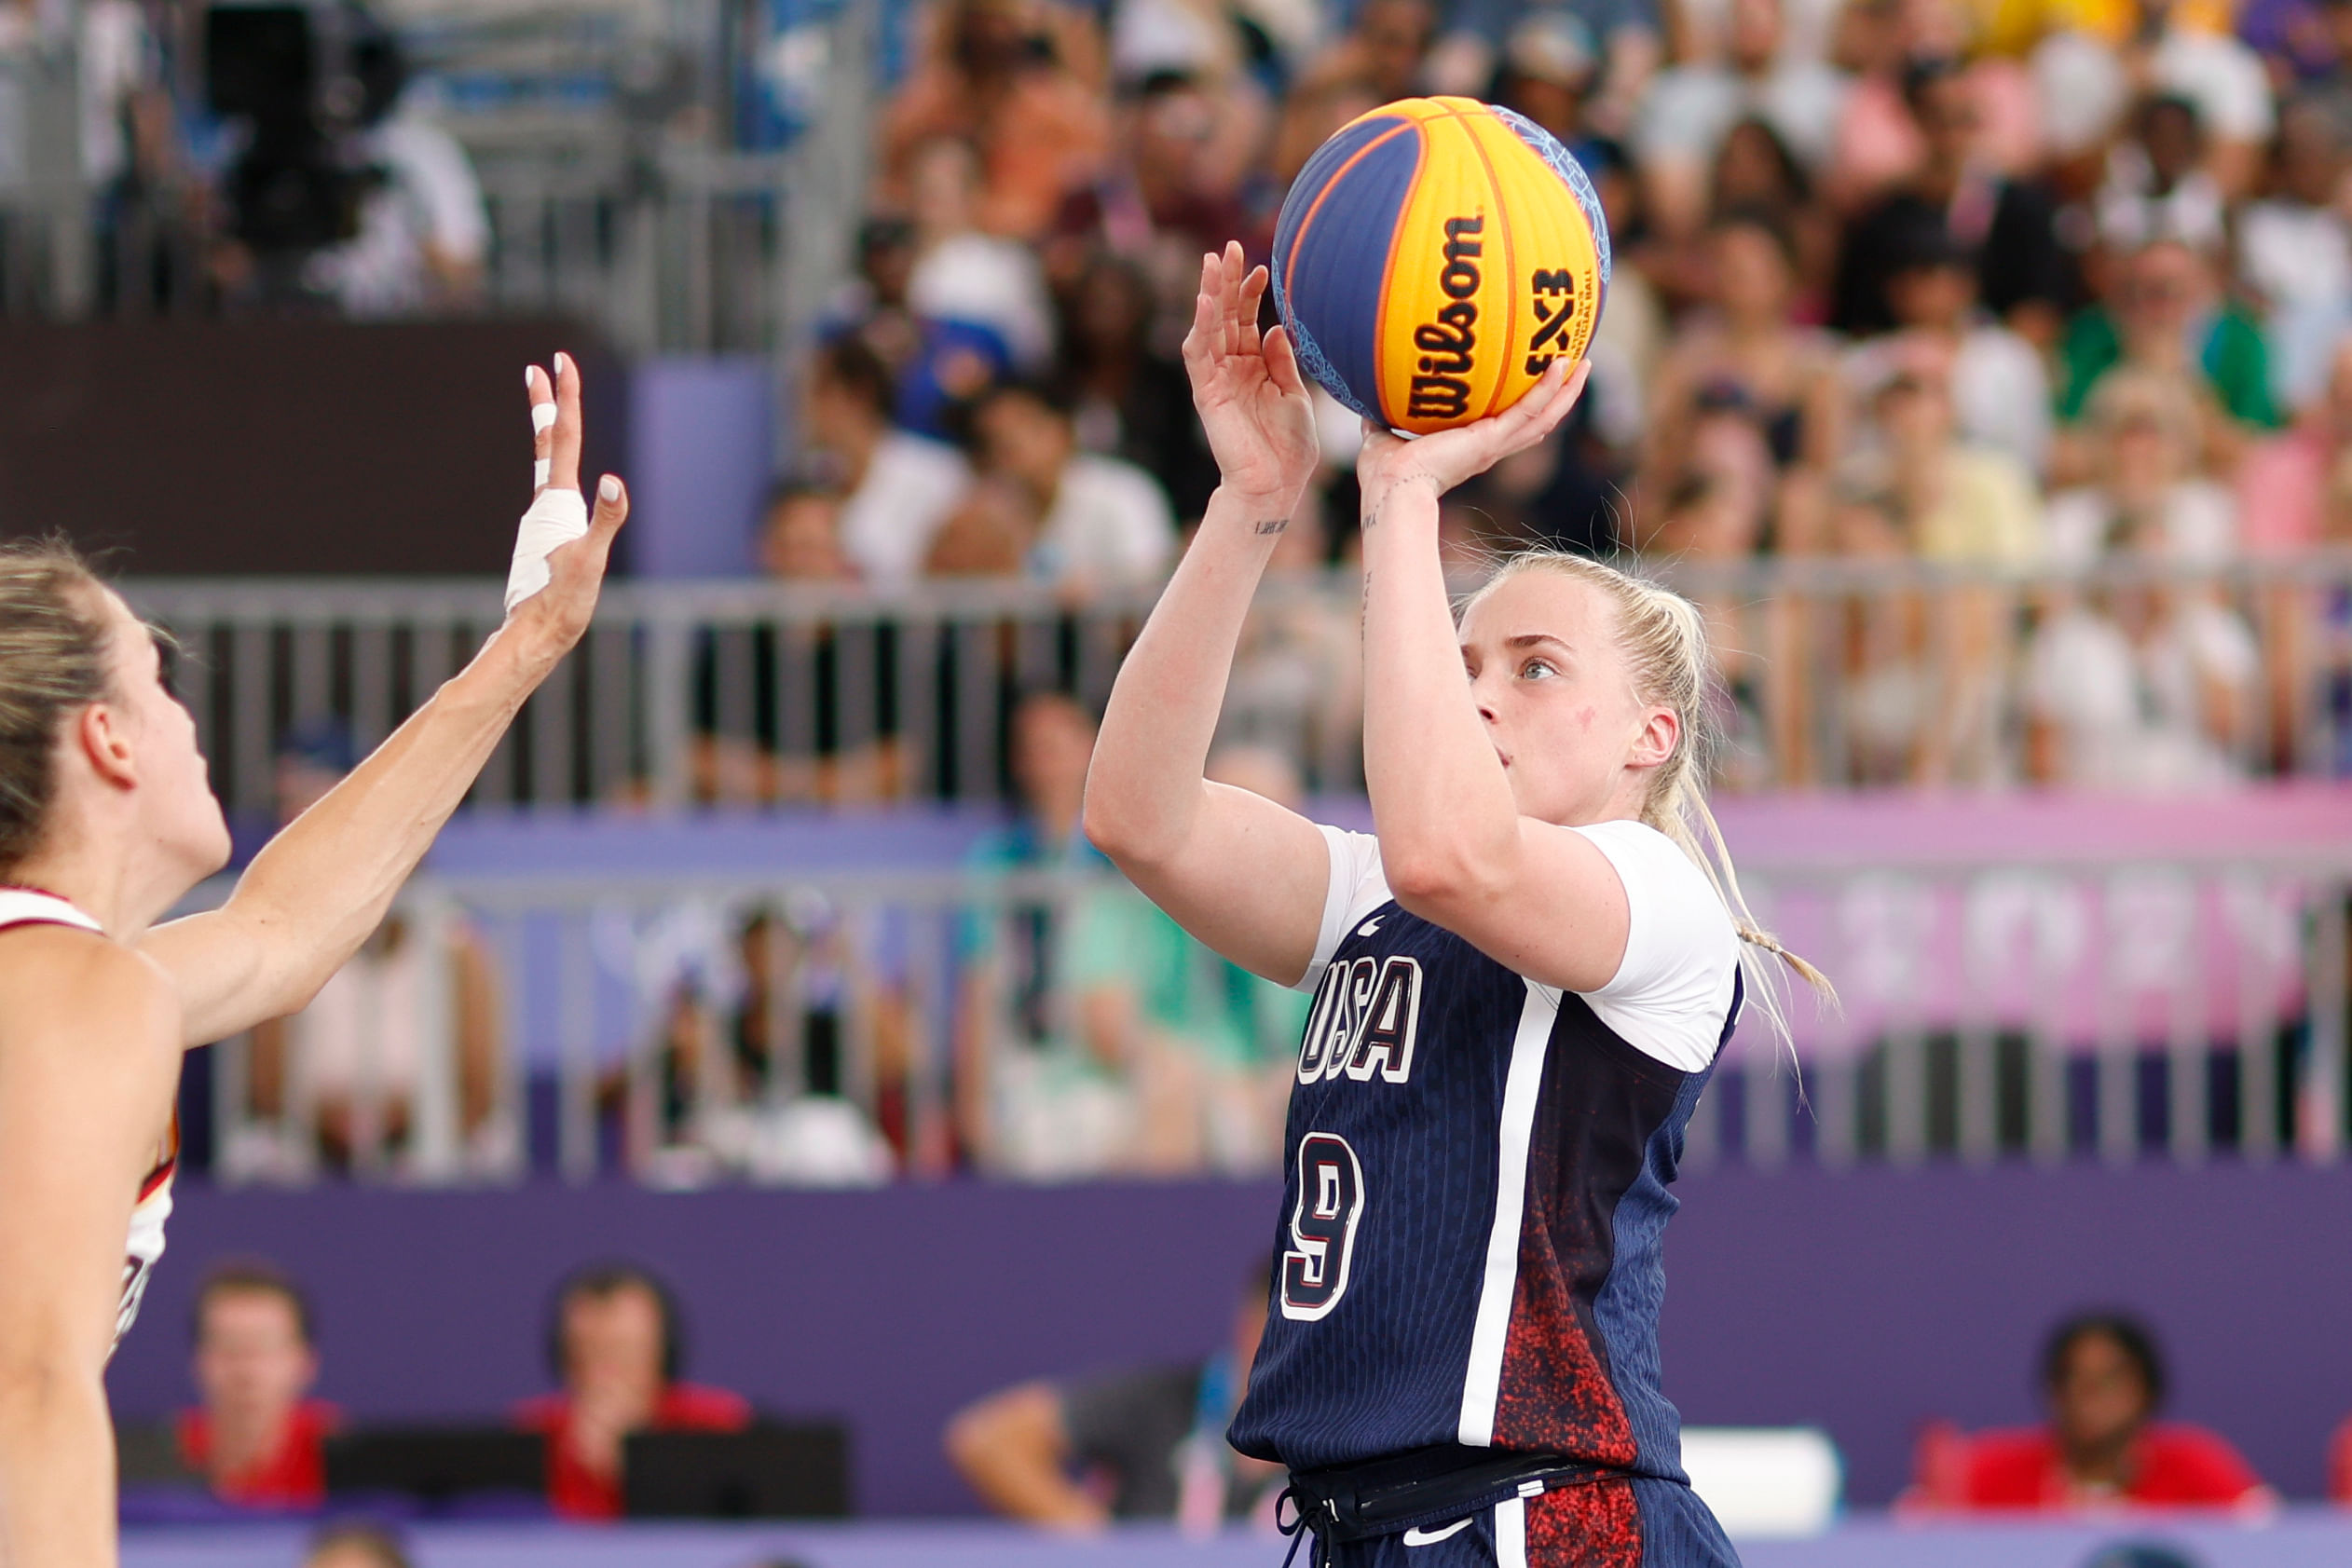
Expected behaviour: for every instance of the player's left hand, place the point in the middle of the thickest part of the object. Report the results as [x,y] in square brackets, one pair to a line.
[1445,458]
[557,614]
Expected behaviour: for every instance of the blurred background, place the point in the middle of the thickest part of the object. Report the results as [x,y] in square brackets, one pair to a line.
[765,1105]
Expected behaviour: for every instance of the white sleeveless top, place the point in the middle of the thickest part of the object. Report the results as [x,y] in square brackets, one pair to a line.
[30,906]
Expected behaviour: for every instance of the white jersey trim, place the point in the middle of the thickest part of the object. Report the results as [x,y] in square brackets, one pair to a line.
[1511,1532]
[29,907]
[1482,1384]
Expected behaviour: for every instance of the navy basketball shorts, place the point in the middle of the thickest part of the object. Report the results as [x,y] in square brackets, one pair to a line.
[1621,1522]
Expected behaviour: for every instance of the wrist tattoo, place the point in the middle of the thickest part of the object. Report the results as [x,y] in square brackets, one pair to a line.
[1274,524]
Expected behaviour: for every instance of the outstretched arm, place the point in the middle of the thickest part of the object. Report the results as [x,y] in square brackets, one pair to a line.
[313,894]
[1242,874]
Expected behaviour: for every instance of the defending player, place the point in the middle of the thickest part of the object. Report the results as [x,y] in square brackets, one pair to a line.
[106,820]
[1522,980]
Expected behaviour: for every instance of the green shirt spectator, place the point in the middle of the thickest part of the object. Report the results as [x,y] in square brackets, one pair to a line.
[2231,353]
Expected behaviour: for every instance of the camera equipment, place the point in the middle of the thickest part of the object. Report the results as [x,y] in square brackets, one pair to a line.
[305,79]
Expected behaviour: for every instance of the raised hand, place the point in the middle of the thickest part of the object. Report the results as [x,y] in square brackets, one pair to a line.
[1252,401]
[1445,458]
[559,612]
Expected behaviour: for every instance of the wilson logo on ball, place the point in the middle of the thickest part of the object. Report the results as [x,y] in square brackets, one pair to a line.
[1441,391]
[1434,257]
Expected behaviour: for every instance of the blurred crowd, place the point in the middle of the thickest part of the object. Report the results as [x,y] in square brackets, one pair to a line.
[1982,286]
[2053,283]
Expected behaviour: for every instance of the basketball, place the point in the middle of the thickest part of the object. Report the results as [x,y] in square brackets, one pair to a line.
[1434,256]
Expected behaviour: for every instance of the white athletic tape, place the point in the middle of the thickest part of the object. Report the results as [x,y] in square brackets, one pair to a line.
[542,418]
[539,470]
[557,518]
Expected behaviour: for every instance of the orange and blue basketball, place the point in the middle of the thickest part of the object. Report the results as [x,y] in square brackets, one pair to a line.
[1434,256]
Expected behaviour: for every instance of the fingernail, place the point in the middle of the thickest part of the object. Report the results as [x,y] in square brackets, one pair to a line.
[563,363]
[609,488]
[529,382]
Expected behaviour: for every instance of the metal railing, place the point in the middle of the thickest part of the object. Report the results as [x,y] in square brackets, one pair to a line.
[756,692]
[599,133]
[847,1028]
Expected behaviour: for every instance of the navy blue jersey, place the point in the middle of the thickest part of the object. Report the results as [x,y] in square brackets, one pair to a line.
[1470,1245]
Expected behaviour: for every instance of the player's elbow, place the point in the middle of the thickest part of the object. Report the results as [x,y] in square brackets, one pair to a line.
[1127,828]
[1436,878]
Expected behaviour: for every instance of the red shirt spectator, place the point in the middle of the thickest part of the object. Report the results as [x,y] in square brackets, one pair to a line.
[257,1438]
[2103,1381]
[2168,1465]
[576,1489]
[293,1474]
[617,1348]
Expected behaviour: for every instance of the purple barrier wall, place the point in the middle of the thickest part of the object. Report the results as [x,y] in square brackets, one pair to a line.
[1865,1302]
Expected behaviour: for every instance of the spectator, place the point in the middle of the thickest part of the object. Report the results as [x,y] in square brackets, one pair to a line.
[2295,491]
[1690,108]
[1018,81]
[1999,394]
[1922,682]
[1173,192]
[616,1344]
[2294,253]
[424,230]
[1946,499]
[1745,354]
[753,1076]
[257,1438]
[935,365]
[1547,71]
[1714,518]
[354,1544]
[800,534]
[1142,1443]
[340,1081]
[1209,1048]
[2158,185]
[898,488]
[1133,401]
[2007,224]
[2165,313]
[1045,508]
[963,273]
[1607,49]
[2087,84]
[1378,60]
[2139,687]
[2104,1382]
[1077,1084]
[2140,438]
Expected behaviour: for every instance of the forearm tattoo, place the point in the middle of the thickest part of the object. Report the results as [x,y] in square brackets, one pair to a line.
[1274,524]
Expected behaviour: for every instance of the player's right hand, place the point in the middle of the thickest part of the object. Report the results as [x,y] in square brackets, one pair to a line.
[559,614]
[1254,403]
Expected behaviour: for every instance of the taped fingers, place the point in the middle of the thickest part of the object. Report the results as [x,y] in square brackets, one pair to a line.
[557,517]
[542,390]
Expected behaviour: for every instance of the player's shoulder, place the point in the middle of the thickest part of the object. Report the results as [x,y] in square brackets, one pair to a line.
[57,978]
[1664,887]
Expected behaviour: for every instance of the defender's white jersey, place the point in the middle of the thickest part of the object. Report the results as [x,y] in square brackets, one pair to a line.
[144,1248]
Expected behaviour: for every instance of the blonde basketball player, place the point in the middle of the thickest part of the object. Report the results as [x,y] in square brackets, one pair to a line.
[106,821]
[1522,980]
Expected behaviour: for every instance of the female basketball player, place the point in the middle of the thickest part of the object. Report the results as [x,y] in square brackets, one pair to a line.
[106,821]
[1522,979]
